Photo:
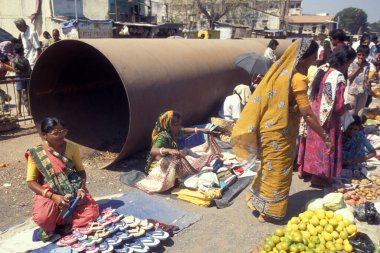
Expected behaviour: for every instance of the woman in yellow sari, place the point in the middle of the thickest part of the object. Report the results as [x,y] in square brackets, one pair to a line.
[268,128]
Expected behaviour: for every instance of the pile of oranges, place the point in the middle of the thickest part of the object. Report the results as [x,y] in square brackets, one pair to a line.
[312,232]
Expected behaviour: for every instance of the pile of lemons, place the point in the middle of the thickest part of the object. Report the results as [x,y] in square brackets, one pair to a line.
[312,232]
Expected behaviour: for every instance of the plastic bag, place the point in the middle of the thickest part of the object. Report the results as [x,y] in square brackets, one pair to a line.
[346,213]
[315,204]
[334,201]
[367,212]
[362,243]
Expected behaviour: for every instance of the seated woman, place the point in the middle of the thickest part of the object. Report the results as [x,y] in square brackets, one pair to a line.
[166,162]
[55,172]
[356,147]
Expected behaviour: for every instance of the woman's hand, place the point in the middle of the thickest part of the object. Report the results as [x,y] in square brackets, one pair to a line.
[81,193]
[329,145]
[204,130]
[59,200]
[173,152]
[348,107]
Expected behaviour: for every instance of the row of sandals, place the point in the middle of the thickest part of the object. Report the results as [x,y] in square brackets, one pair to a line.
[115,232]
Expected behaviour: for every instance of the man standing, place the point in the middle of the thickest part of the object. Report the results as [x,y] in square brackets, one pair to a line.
[337,38]
[30,42]
[56,35]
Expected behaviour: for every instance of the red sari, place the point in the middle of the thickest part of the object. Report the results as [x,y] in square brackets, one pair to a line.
[60,177]
[328,106]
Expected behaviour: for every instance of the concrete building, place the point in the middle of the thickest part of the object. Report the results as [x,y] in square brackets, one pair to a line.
[50,14]
[310,24]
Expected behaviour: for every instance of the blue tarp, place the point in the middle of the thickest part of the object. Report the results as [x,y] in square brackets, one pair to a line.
[73,22]
[144,206]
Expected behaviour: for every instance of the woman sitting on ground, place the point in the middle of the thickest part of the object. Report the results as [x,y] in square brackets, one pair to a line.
[55,172]
[166,161]
[356,147]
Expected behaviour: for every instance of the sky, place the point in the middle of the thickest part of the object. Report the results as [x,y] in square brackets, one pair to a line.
[371,7]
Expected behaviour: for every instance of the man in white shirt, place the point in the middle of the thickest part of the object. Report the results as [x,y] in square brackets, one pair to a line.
[30,42]
[234,103]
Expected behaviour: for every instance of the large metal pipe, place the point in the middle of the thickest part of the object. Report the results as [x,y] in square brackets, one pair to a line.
[110,91]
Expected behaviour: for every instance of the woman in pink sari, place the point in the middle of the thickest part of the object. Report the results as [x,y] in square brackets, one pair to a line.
[55,174]
[327,96]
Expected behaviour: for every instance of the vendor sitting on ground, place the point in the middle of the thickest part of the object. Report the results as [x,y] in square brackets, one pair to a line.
[166,162]
[167,129]
[356,147]
[231,110]
[55,172]
[233,104]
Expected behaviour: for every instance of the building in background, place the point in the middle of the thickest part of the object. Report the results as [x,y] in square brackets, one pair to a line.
[310,24]
[49,14]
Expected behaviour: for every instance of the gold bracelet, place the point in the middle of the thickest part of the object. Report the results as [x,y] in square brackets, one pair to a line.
[44,193]
[51,195]
[81,190]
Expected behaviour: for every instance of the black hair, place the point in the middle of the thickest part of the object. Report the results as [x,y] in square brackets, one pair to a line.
[3,58]
[337,59]
[313,49]
[363,49]
[363,38]
[48,123]
[357,121]
[15,41]
[273,43]
[374,39]
[338,34]
[18,49]
[46,33]
[327,51]
[341,56]
[176,116]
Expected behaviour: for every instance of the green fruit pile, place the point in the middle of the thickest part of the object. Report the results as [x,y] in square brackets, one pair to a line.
[312,232]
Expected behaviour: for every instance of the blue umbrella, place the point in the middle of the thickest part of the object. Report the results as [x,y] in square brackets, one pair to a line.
[253,63]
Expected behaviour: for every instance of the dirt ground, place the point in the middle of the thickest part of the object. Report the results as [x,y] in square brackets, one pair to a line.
[232,229]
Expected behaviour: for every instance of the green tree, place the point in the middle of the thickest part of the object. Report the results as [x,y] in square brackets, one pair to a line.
[352,20]
[214,10]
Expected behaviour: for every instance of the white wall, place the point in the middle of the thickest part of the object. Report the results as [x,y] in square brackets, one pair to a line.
[96,9]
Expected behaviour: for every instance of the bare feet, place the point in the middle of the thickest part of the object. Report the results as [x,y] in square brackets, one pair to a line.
[261,218]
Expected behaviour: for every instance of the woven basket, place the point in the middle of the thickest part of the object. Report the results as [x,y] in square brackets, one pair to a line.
[8,126]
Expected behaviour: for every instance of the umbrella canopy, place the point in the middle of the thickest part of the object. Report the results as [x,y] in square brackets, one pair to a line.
[253,63]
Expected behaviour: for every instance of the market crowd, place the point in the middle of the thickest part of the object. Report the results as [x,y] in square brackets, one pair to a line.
[305,113]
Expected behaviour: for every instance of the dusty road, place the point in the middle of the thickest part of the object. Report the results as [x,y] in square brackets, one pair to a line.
[232,229]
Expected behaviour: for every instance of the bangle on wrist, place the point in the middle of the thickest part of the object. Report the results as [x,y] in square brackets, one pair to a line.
[161,151]
[196,130]
[51,195]
[44,193]
[81,190]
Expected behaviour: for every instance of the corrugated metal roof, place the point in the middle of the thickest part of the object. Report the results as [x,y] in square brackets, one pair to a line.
[308,19]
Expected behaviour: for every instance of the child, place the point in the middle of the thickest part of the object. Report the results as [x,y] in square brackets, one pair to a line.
[23,70]
[356,147]
[360,73]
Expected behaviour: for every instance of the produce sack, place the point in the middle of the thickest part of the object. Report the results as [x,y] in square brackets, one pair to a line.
[361,243]
[334,201]
[367,212]
[346,213]
[315,204]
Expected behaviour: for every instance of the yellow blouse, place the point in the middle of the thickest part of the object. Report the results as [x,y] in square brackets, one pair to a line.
[300,86]
[71,152]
